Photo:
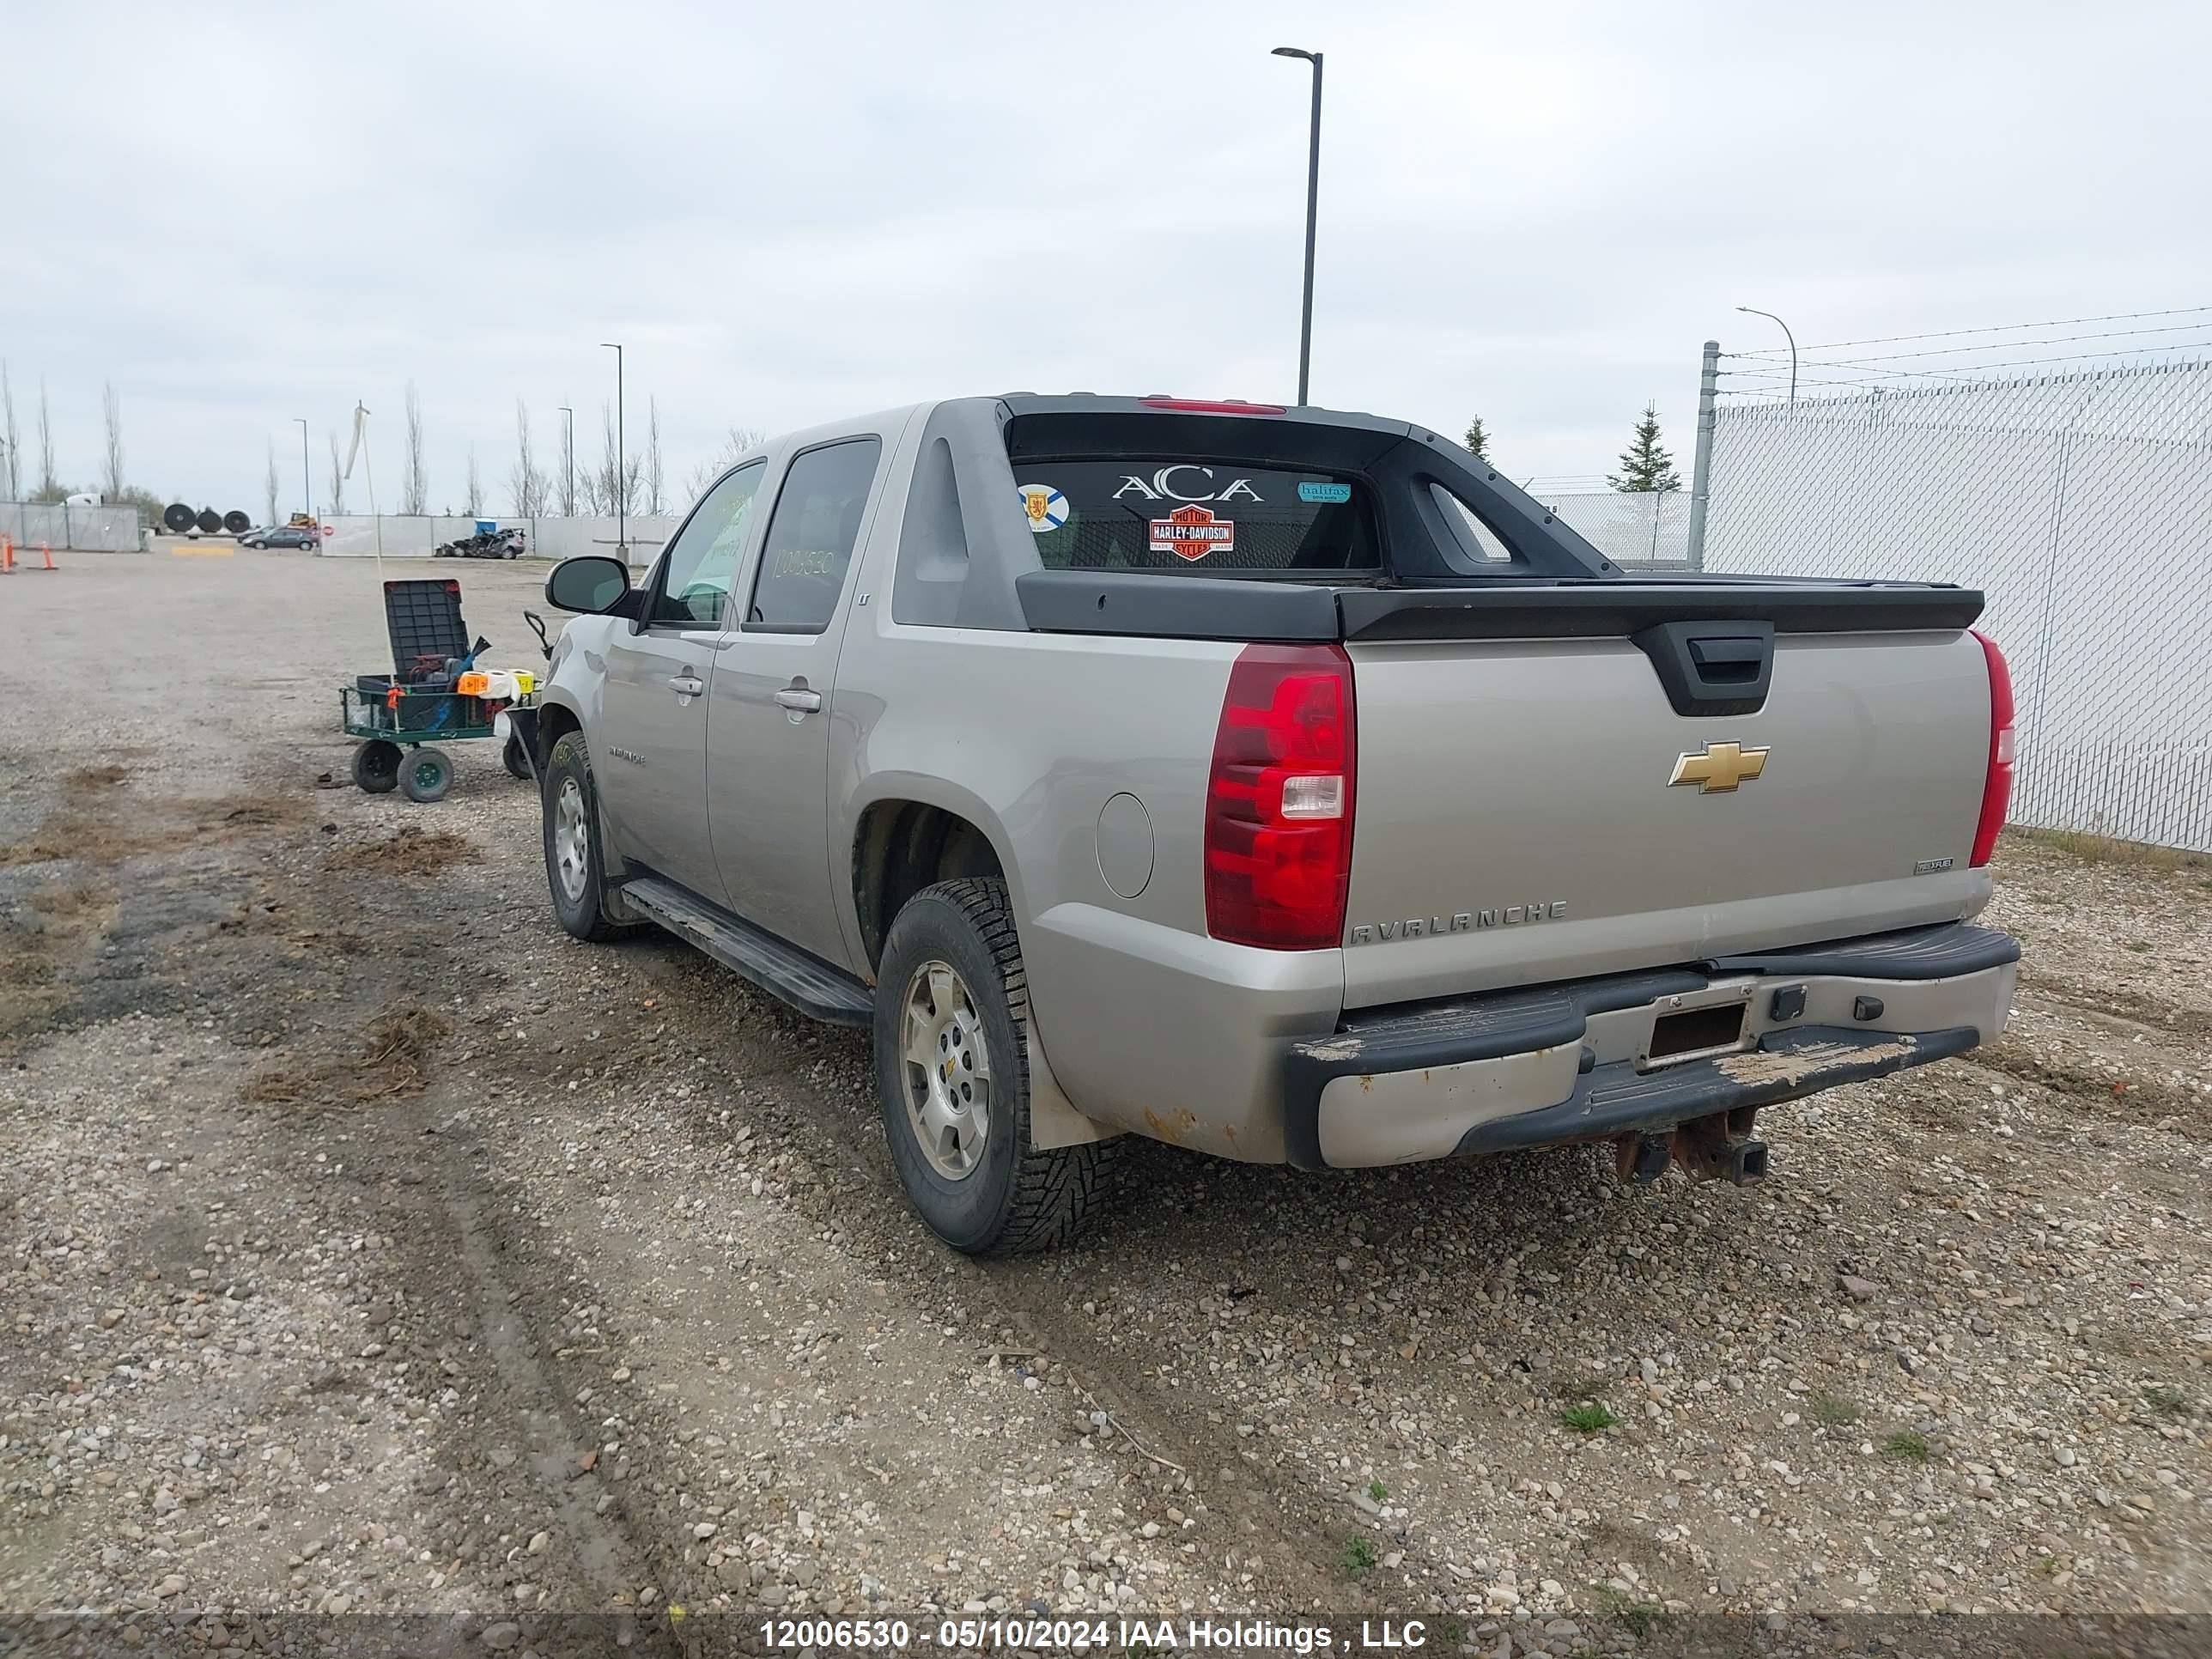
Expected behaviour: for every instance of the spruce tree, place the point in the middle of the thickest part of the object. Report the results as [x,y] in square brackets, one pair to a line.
[1478,439]
[1645,465]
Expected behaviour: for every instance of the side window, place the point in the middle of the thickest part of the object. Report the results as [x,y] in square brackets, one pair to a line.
[810,536]
[1479,543]
[703,561]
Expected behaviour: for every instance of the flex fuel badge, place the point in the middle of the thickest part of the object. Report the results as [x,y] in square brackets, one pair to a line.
[1045,507]
[1191,532]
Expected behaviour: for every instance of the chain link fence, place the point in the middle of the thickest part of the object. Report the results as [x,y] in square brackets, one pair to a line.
[70,529]
[1638,529]
[2080,504]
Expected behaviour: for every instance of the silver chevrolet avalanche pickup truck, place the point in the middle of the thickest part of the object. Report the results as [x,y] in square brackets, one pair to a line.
[1279,783]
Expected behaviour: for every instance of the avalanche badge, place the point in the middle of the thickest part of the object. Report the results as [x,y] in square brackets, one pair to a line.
[1191,532]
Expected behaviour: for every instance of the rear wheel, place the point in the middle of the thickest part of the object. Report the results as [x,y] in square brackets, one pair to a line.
[512,757]
[952,1075]
[376,766]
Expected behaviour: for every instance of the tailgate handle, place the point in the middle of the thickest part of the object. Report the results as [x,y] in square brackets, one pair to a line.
[1711,668]
[1728,662]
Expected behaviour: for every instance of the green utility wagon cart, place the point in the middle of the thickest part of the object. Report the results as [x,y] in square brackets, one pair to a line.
[402,717]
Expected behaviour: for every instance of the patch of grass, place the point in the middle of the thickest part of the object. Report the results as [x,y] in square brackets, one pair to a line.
[2089,845]
[1452,1629]
[1378,1491]
[411,852]
[1638,1618]
[394,1059]
[1358,1555]
[2166,1402]
[1588,1417]
[90,780]
[1907,1446]
[1832,1410]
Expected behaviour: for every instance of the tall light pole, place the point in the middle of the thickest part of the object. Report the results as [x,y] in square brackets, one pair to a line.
[621,462]
[1313,203]
[307,488]
[1787,335]
[569,450]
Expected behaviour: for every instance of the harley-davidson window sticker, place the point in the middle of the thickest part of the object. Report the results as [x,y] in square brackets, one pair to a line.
[1191,532]
[1045,507]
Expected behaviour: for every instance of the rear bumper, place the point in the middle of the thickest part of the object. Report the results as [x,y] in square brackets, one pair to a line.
[1566,1063]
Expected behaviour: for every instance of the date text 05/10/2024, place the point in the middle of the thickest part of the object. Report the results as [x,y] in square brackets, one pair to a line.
[1125,1635]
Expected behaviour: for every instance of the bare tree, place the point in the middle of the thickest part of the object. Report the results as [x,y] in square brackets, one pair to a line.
[49,486]
[269,483]
[11,462]
[612,487]
[337,477]
[111,470]
[414,482]
[738,442]
[527,483]
[653,502]
[472,503]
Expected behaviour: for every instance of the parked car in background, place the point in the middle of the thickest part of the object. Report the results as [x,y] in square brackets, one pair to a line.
[282,535]
[1283,784]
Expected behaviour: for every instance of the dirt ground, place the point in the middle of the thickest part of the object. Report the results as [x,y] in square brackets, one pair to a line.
[373,1248]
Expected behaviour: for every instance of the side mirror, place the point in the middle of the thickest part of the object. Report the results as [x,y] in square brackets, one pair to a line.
[590,586]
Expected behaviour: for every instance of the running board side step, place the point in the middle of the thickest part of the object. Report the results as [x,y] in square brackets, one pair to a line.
[804,981]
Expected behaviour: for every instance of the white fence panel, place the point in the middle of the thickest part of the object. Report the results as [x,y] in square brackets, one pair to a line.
[354,535]
[74,529]
[2080,505]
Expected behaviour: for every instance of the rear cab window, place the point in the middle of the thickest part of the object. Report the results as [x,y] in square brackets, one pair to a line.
[1175,515]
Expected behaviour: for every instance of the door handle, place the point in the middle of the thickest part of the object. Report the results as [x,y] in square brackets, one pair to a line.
[688,685]
[799,698]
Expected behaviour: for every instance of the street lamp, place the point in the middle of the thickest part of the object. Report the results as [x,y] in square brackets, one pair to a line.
[306,489]
[621,462]
[569,450]
[1313,200]
[1755,312]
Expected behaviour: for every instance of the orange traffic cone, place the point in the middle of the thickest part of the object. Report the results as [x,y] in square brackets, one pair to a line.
[49,552]
[7,556]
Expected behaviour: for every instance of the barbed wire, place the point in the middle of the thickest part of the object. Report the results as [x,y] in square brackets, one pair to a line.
[1952,351]
[1977,373]
[1996,328]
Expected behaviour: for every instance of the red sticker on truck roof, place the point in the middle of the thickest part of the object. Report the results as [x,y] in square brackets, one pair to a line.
[1191,532]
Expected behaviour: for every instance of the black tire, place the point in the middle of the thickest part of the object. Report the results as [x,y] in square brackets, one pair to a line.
[376,767]
[426,774]
[1014,1199]
[582,908]
[514,758]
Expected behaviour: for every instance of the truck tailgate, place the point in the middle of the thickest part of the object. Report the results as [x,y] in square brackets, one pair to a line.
[1517,823]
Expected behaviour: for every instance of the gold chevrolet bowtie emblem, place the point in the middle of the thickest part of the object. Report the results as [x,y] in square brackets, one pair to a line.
[1719,769]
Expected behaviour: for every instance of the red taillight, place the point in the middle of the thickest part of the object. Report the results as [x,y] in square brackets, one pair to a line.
[1279,802]
[1997,784]
[1204,406]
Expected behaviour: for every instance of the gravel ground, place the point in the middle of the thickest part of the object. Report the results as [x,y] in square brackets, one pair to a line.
[373,1248]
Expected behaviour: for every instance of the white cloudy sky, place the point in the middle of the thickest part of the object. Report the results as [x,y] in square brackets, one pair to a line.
[238,214]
